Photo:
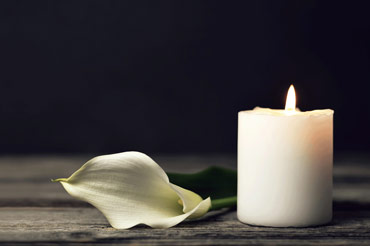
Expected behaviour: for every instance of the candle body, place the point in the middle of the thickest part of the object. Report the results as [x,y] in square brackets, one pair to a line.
[285,167]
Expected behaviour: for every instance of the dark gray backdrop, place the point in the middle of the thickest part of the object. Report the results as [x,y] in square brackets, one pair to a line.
[170,76]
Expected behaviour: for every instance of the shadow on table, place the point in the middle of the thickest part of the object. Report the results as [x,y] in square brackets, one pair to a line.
[345,212]
[350,206]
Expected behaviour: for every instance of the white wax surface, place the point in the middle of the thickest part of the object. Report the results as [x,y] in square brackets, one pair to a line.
[285,167]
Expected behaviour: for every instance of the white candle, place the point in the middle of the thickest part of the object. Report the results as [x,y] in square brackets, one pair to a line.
[285,160]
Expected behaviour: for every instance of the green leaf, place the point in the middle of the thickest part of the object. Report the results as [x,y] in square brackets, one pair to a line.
[216,182]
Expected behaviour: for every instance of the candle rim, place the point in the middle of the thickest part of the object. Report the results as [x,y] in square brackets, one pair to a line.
[282,112]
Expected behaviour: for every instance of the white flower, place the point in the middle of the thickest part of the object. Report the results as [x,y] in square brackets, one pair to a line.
[129,188]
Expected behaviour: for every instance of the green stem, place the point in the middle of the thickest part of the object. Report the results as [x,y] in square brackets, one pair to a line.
[223,203]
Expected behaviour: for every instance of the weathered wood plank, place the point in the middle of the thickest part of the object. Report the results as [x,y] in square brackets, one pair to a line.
[35,211]
[26,181]
[73,225]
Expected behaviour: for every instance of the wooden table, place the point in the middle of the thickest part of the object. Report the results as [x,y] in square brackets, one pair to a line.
[35,211]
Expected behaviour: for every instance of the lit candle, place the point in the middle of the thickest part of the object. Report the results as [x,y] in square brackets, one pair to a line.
[285,161]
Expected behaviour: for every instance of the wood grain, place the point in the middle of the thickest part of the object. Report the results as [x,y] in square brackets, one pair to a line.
[34,211]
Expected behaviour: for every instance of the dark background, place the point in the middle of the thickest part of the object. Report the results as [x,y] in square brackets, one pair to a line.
[170,76]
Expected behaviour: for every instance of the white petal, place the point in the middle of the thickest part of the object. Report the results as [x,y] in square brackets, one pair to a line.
[129,188]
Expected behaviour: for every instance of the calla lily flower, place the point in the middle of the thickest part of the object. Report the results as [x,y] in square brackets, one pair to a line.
[129,188]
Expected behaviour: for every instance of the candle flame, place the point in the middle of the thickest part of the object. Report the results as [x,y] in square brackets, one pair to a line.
[290,99]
